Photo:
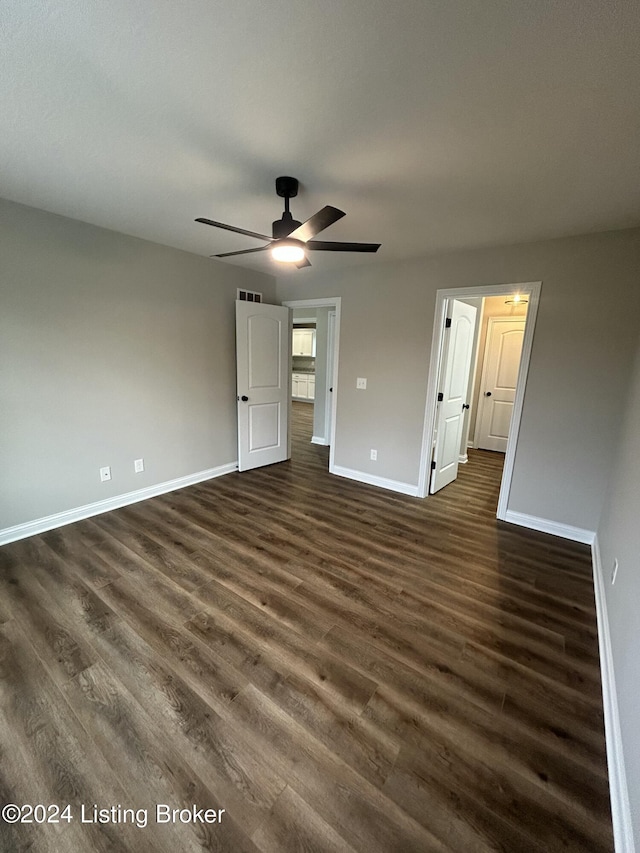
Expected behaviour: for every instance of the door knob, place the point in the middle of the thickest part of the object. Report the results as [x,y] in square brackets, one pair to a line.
[487,393]
[244,398]
[465,405]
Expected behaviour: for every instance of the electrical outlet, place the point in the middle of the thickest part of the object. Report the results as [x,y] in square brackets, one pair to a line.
[361,384]
[105,474]
[374,455]
[614,571]
[138,466]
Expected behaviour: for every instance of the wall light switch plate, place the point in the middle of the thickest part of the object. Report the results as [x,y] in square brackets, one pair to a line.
[361,384]
[374,455]
[138,466]
[105,474]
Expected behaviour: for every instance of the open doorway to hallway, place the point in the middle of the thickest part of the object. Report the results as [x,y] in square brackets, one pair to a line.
[493,376]
[314,360]
[306,346]
[480,356]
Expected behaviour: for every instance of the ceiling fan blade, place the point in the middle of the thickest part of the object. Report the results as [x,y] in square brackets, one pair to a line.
[323,246]
[241,252]
[305,262]
[234,229]
[317,223]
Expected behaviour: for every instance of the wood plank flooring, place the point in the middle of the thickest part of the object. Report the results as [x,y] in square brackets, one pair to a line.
[339,668]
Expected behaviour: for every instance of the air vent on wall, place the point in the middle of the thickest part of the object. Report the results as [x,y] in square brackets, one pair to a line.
[249,296]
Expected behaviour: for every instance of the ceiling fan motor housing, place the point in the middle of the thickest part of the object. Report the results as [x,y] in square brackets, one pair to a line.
[283,227]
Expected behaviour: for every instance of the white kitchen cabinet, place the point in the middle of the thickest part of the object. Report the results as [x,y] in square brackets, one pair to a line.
[304,342]
[299,385]
[303,386]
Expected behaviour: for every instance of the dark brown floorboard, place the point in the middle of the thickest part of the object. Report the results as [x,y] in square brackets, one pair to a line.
[338,667]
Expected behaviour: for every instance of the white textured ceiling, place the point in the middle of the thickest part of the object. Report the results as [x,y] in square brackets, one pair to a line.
[435,124]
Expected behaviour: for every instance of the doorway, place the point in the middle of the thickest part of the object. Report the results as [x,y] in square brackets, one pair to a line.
[326,316]
[476,412]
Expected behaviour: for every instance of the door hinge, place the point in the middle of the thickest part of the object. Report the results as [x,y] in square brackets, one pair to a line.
[447,323]
[440,397]
[433,464]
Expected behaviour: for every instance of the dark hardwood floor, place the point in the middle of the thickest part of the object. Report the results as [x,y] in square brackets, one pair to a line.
[339,668]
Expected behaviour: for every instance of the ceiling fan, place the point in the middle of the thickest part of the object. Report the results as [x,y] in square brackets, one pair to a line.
[291,239]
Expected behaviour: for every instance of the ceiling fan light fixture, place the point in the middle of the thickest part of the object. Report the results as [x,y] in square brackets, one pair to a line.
[288,251]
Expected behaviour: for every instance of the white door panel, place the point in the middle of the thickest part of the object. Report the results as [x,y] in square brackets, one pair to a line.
[449,455]
[264,426]
[509,359]
[500,419]
[263,341]
[499,380]
[456,362]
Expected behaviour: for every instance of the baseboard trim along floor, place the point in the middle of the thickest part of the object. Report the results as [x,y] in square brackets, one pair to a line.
[59,519]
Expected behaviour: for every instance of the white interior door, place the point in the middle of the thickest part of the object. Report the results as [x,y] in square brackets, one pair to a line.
[331,342]
[263,349]
[499,379]
[454,384]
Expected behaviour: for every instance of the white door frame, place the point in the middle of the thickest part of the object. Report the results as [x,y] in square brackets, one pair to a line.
[335,303]
[530,289]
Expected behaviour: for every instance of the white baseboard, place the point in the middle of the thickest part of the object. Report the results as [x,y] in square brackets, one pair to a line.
[544,525]
[318,439]
[462,460]
[49,522]
[372,480]
[618,790]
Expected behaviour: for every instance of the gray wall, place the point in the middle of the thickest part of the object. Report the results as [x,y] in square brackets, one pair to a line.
[303,314]
[584,342]
[619,537]
[111,348]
